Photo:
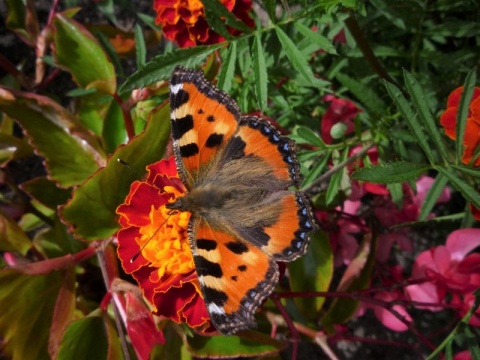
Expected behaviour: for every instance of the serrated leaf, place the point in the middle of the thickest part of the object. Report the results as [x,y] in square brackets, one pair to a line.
[30,300]
[315,38]
[294,55]
[71,152]
[77,51]
[228,68]
[260,71]
[406,110]
[107,189]
[396,172]
[462,113]
[250,343]
[161,67]
[312,272]
[140,48]
[426,117]
[215,21]
[364,93]
[469,192]
[46,192]
[432,196]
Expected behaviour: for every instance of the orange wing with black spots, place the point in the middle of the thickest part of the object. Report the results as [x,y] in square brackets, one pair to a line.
[235,277]
[203,120]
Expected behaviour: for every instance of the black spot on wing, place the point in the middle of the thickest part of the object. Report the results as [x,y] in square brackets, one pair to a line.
[234,278]
[237,247]
[206,267]
[206,244]
[200,111]
[255,235]
[181,126]
[214,140]
[178,99]
[215,296]
[242,268]
[189,150]
[211,118]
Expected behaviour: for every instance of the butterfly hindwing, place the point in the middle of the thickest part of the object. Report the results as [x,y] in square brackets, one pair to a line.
[203,120]
[235,276]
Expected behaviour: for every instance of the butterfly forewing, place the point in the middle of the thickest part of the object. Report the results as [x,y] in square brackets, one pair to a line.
[203,120]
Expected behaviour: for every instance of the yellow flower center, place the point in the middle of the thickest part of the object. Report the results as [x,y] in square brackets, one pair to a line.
[165,240]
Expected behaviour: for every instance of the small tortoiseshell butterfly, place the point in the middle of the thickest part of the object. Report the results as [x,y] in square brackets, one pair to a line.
[237,170]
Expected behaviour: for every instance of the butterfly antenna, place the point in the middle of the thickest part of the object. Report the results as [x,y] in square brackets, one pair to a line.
[130,167]
[134,257]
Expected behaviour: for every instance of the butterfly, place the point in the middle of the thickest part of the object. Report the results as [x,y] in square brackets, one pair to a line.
[237,170]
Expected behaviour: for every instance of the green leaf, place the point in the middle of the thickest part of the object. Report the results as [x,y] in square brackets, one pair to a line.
[260,71]
[405,109]
[295,56]
[113,132]
[30,301]
[22,19]
[312,272]
[396,172]
[80,92]
[336,180]
[148,20]
[475,171]
[469,192]
[432,196]
[107,189]
[462,114]
[215,21]
[426,117]
[140,48]
[364,93]
[317,169]
[77,51]
[221,12]
[315,38]
[473,345]
[46,192]
[249,344]
[310,137]
[228,68]
[161,67]
[71,152]
[12,237]
[84,339]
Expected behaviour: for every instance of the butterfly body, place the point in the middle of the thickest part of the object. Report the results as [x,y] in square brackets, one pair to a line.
[237,170]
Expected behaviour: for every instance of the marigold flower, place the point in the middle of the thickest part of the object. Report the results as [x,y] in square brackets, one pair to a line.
[183,21]
[448,119]
[157,242]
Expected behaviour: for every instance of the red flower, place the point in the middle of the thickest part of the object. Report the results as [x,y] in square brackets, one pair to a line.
[183,21]
[448,119]
[340,111]
[158,245]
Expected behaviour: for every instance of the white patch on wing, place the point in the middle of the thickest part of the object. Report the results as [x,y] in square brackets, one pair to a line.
[215,309]
[175,88]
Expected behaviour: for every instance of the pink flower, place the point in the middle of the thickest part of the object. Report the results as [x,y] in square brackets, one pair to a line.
[449,269]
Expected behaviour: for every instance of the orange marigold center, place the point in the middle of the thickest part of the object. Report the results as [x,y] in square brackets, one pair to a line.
[166,239]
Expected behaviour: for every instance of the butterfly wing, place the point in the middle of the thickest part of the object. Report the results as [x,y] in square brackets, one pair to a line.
[285,238]
[203,120]
[235,276]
